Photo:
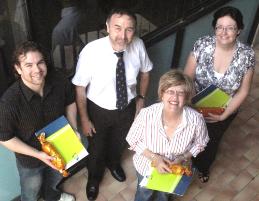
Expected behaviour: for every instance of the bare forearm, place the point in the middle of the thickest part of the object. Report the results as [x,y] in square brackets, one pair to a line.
[143,87]
[87,126]
[234,104]
[240,96]
[18,146]
[149,154]
[144,82]
[190,66]
[81,103]
[71,113]
[161,163]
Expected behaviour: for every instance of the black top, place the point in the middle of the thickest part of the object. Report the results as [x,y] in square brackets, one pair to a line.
[23,112]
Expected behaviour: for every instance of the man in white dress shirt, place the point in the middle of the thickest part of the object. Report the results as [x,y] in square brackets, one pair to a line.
[105,123]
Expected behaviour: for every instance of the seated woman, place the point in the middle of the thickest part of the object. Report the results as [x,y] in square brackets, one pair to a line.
[166,133]
[224,61]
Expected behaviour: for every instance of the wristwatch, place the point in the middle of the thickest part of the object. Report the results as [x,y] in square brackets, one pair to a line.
[185,159]
[140,96]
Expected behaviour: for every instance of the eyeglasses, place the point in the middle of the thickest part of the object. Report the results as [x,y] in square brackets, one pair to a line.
[175,93]
[228,29]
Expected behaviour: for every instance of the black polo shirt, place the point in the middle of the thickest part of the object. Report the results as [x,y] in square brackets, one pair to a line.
[23,112]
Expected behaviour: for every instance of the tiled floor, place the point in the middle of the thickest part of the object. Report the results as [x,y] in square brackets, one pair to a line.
[234,175]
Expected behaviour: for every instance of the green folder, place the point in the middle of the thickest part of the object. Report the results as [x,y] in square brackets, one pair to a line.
[67,144]
[163,182]
[61,135]
[169,183]
[212,96]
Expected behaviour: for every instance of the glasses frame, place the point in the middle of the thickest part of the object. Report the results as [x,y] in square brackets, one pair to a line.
[175,93]
[228,29]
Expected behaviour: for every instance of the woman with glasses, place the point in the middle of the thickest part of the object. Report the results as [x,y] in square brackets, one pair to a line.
[166,133]
[224,61]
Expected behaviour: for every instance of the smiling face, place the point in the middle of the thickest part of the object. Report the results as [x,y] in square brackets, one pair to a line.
[226,31]
[32,69]
[121,29]
[174,98]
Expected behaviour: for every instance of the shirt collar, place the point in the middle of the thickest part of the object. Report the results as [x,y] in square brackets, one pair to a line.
[28,93]
[181,126]
[126,50]
[184,117]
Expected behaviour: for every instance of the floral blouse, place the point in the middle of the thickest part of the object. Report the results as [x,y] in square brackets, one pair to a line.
[203,51]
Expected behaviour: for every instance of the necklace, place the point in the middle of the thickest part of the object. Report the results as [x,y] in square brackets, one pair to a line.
[170,124]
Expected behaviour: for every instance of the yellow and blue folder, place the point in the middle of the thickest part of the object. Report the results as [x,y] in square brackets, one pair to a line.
[61,135]
[212,96]
[170,183]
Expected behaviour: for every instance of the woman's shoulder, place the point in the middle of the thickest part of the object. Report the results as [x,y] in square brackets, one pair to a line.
[245,54]
[193,114]
[155,106]
[205,42]
[205,39]
[191,110]
[245,48]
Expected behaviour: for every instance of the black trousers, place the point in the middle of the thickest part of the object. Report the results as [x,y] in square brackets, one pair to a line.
[215,130]
[108,143]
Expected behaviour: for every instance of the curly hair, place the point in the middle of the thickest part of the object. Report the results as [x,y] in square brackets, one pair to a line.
[23,49]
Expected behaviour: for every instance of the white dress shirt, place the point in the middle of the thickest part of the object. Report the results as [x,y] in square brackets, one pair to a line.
[147,132]
[96,69]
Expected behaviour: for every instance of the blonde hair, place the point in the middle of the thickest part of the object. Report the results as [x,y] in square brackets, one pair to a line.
[175,78]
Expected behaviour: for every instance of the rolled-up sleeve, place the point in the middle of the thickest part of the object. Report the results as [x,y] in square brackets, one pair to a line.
[201,138]
[136,134]
[146,64]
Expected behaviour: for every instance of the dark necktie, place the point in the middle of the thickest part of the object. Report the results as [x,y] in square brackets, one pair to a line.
[121,86]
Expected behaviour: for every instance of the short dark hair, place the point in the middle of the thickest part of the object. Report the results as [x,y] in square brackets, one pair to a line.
[24,48]
[122,11]
[233,12]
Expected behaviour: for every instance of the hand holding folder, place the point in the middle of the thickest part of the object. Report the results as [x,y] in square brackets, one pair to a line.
[211,100]
[49,149]
[170,183]
[61,142]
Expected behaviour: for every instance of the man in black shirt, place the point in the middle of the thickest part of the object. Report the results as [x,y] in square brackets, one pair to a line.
[37,98]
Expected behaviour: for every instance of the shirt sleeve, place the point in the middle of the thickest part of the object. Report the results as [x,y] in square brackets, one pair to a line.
[83,73]
[201,138]
[202,45]
[250,59]
[70,92]
[135,135]
[146,64]
[7,120]
[196,48]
